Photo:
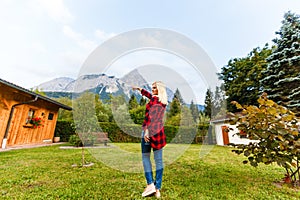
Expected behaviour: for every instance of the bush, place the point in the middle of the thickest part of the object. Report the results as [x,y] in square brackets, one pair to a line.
[127,133]
[132,133]
[64,129]
[74,140]
[275,129]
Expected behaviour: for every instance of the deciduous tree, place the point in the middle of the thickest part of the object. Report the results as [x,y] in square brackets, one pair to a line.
[242,77]
[276,131]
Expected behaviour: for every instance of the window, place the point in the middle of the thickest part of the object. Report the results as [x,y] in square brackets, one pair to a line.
[50,116]
[30,115]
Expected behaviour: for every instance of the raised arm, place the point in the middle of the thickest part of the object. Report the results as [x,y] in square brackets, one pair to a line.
[143,92]
[146,94]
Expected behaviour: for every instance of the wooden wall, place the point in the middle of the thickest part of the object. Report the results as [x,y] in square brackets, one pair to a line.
[4,113]
[22,133]
[19,132]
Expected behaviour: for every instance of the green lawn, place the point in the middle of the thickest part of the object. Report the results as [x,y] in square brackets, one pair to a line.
[47,173]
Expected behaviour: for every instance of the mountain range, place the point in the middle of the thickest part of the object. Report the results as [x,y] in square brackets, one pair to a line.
[101,84]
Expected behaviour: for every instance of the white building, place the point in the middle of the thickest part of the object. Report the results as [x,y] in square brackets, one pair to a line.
[226,133]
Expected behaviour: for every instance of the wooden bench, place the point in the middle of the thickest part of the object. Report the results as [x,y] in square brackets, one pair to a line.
[94,138]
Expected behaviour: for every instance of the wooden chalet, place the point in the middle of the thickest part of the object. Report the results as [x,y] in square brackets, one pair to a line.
[18,109]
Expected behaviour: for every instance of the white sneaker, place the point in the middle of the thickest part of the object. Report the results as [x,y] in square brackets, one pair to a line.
[157,194]
[150,189]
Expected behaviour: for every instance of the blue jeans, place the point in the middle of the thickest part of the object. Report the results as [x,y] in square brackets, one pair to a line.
[158,157]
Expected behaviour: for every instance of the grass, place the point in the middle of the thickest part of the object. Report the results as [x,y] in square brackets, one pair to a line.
[47,173]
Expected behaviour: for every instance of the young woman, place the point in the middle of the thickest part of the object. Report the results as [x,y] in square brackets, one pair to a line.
[153,136]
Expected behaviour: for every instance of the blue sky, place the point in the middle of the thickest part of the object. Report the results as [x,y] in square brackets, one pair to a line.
[42,40]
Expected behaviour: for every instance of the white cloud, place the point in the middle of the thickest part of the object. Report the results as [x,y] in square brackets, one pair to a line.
[80,40]
[74,61]
[102,35]
[38,47]
[55,9]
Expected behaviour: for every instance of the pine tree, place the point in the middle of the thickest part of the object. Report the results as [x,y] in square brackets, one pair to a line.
[174,113]
[143,101]
[208,103]
[219,102]
[132,102]
[178,96]
[194,111]
[175,108]
[282,76]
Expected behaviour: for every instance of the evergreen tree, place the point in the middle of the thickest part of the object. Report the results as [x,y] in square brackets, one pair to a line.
[242,77]
[219,102]
[282,76]
[186,117]
[208,103]
[143,101]
[194,111]
[175,108]
[132,102]
[178,96]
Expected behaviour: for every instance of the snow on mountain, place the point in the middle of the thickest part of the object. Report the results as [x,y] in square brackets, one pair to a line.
[93,82]
[101,84]
[98,83]
[57,85]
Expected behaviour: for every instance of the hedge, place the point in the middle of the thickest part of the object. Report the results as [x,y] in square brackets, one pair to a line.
[64,129]
[174,134]
[132,132]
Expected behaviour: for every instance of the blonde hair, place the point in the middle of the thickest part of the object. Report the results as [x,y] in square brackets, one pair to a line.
[162,92]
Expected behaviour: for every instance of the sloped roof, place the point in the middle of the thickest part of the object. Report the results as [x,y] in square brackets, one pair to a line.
[34,94]
[226,117]
[222,118]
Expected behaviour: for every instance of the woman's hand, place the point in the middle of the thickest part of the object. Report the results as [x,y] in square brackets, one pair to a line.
[136,88]
[146,136]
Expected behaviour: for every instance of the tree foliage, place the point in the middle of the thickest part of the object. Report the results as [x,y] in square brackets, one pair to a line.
[103,112]
[133,102]
[40,92]
[208,103]
[63,114]
[282,76]
[276,132]
[215,103]
[84,115]
[138,114]
[120,110]
[242,77]
[178,96]
[194,111]
[175,108]
[143,101]
[219,104]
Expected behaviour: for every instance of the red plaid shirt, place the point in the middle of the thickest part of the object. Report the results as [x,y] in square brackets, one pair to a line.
[153,121]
